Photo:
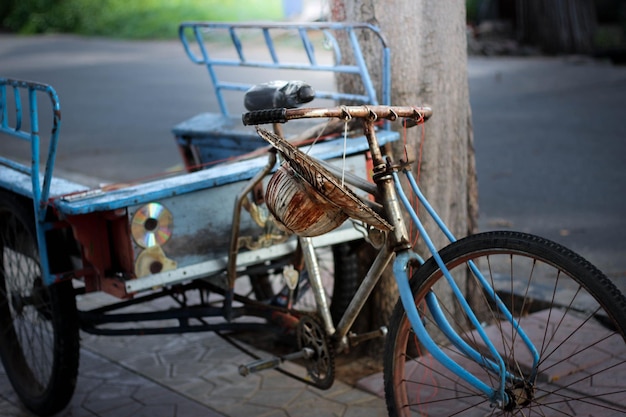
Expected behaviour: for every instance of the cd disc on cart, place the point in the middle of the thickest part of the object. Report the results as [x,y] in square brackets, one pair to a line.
[151,225]
[153,260]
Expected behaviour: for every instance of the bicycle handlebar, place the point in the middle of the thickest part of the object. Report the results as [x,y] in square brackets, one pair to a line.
[418,114]
[260,117]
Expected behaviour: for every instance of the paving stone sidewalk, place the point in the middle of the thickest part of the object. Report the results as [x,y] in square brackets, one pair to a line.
[107,389]
[204,367]
[189,375]
[196,375]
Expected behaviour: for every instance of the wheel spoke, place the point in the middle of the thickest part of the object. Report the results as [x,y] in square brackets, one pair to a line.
[39,344]
[555,297]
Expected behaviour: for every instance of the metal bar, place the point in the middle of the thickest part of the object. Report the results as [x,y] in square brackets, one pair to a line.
[4,119]
[207,61]
[303,30]
[39,194]
[39,206]
[183,38]
[234,237]
[34,146]
[365,76]
[362,294]
[308,46]
[206,327]
[393,209]
[52,147]
[444,325]
[476,272]
[15,133]
[330,39]
[380,112]
[349,69]
[15,165]
[386,76]
[315,279]
[189,312]
[400,268]
[408,303]
[386,87]
[273,362]
[270,45]
[18,108]
[287,25]
[237,43]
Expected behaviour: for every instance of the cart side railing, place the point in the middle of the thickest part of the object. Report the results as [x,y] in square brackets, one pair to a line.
[238,56]
[27,128]
[270,32]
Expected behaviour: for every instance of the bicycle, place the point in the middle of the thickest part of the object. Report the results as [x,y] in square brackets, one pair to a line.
[144,241]
[543,306]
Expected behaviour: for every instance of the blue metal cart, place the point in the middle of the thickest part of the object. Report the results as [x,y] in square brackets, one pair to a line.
[201,238]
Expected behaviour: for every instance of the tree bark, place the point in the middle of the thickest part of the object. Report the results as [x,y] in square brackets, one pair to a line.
[428,67]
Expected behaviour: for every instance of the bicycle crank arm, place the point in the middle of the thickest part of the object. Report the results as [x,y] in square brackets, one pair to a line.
[273,363]
[355,339]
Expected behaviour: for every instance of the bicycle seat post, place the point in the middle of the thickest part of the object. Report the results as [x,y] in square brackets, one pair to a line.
[384,181]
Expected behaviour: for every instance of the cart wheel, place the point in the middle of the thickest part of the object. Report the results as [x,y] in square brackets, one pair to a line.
[39,343]
[340,273]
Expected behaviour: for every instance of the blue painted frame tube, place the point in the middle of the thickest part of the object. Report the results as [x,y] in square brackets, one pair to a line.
[406,297]
[409,305]
[452,335]
[478,275]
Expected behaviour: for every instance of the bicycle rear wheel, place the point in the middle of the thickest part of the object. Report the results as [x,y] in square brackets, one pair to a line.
[573,314]
[339,267]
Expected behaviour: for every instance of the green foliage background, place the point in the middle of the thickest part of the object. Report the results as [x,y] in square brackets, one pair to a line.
[127,18]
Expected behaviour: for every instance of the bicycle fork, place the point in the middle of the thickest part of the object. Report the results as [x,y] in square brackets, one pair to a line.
[496,364]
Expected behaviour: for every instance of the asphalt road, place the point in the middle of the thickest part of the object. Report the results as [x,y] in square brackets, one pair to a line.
[550,149]
[549,132]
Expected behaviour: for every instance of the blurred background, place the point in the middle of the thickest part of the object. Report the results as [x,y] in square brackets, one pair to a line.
[595,27]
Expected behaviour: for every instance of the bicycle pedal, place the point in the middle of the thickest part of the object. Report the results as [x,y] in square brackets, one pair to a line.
[355,339]
[274,362]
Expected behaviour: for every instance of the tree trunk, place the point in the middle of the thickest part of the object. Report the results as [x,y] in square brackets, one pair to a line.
[428,67]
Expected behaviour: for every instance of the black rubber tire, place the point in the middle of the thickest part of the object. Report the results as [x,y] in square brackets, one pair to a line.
[541,282]
[39,341]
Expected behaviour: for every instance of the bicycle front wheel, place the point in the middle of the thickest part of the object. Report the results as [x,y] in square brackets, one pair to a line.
[572,313]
